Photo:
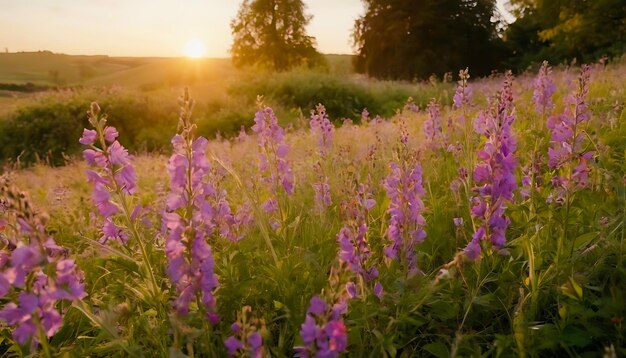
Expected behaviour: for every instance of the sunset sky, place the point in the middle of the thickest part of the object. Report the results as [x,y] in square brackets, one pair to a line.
[152,27]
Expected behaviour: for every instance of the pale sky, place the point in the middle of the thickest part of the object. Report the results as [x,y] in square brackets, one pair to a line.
[151,27]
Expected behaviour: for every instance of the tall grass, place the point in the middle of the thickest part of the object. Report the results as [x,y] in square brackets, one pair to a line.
[299,278]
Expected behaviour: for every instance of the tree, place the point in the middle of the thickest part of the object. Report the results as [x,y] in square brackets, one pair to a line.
[271,33]
[407,39]
[563,30]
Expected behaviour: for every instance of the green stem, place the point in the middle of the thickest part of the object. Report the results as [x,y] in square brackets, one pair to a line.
[144,253]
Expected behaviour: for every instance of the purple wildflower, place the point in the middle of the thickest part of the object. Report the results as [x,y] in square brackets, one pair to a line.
[433,126]
[113,174]
[89,136]
[272,158]
[567,150]
[110,134]
[463,94]
[323,333]
[544,89]
[34,273]
[322,129]
[191,218]
[404,190]
[494,173]
[322,195]
[246,338]
[232,345]
[378,290]
[355,252]
[410,106]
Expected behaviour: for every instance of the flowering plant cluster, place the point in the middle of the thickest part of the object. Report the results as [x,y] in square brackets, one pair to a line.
[35,272]
[406,222]
[113,174]
[190,219]
[324,332]
[273,151]
[494,173]
[184,284]
[247,340]
[567,154]
[544,89]
[323,129]
[354,249]
[433,126]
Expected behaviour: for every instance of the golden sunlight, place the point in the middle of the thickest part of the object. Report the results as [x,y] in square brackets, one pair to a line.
[195,48]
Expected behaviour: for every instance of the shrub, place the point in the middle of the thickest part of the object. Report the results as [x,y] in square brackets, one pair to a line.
[47,128]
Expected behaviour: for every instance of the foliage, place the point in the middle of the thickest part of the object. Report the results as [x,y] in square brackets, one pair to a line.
[415,38]
[46,130]
[343,97]
[238,227]
[562,31]
[272,33]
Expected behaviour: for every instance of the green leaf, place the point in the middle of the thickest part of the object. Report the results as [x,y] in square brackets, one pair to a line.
[278,305]
[437,349]
[574,336]
[582,241]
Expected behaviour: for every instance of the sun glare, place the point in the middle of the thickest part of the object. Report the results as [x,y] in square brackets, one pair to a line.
[195,48]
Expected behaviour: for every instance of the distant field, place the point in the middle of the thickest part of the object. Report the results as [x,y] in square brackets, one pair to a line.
[49,69]
[45,68]
[23,73]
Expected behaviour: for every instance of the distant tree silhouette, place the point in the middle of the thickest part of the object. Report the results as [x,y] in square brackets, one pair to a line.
[271,33]
[406,39]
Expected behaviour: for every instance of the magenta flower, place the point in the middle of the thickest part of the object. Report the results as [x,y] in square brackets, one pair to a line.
[232,345]
[34,273]
[246,339]
[89,137]
[110,134]
[272,158]
[463,94]
[69,282]
[544,89]
[567,150]
[322,129]
[323,333]
[433,126]
[322,194]
[113,174]
[354,253]
[317,306]
[196,213]
[405,231]
[410,106]
[494,172]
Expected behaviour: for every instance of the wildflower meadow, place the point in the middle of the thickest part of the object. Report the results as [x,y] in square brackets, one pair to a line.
[491,224]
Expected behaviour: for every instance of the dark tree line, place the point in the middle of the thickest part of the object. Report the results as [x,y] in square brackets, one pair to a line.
[405,39]
[413,39]
[563,30]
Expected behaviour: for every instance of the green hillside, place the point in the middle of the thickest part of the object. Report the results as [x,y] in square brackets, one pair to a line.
[49,69]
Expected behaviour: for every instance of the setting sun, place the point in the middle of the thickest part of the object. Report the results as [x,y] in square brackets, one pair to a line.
[195,48]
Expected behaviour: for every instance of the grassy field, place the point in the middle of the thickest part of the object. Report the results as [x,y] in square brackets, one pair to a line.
[310,239]
[140,94]
[50,69]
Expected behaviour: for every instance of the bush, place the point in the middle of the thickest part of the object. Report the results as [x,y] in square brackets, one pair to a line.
[47,128]
[343,96]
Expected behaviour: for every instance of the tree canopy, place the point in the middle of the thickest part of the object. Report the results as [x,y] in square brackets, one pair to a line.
[271,33]
[407,39]
[563,30]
